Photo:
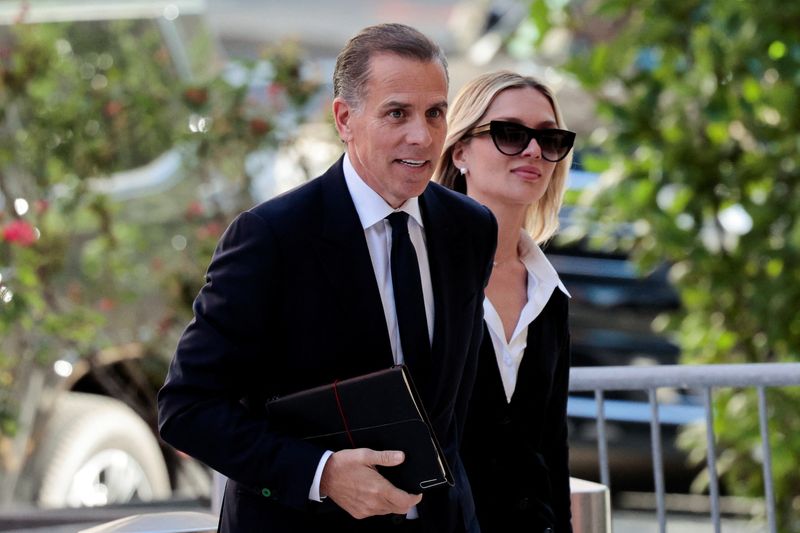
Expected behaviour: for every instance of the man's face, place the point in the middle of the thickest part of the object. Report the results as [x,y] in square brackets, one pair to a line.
[395,136]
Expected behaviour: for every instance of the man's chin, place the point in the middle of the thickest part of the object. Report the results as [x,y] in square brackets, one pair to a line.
[418,187]
[409,189]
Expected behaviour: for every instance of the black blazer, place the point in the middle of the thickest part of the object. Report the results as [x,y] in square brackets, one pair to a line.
[516,453]
[291,302]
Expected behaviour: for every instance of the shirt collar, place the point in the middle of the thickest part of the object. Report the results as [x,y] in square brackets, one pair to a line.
[538,265]
[371,208]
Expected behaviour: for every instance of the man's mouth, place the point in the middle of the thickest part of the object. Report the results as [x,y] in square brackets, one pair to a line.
[412,162]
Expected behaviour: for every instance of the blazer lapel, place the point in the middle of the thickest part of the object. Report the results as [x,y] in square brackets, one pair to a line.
[538,364]
[446,252]
[345,261]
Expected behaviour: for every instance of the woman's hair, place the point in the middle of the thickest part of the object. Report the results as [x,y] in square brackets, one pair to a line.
[467,111]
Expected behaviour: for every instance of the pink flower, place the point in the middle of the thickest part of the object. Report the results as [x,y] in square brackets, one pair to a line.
[194,210]
[195,96]
[259,127]
[112,108]
[275,90]
[276,95]
[211,230]
[20,232]
[106,304]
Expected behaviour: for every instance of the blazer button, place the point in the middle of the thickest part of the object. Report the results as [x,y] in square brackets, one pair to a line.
[506,420]
[524,503]
[547,530]
[265,492]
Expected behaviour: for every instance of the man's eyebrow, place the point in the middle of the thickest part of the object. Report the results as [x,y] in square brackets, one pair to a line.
[394,104]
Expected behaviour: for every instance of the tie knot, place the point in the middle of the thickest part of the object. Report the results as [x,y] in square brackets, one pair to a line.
[398,220]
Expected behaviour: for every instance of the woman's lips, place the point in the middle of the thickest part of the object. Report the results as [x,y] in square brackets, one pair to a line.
[527,172]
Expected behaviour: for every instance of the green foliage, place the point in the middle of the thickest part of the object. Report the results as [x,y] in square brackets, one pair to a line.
[701,151]
[83,267]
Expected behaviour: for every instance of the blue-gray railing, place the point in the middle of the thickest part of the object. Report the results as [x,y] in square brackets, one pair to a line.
[703,378]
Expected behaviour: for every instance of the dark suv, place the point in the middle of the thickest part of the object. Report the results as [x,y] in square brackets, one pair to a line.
[611,314]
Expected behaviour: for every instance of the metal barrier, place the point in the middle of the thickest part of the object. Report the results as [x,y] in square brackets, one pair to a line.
[591,506]
[698,377]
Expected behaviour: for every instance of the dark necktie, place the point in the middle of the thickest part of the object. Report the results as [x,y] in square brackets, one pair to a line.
[408,300]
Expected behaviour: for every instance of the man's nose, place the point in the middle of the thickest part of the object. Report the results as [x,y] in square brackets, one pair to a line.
[419,132]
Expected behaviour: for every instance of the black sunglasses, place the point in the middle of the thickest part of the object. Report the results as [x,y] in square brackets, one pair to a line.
[511,138]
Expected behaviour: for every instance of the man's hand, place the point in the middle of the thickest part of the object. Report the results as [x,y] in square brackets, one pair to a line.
[351,480]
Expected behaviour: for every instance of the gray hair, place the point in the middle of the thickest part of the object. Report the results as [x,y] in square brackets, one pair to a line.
[352,71]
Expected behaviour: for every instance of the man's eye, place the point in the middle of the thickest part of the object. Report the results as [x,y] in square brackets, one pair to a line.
[396,113]
[435,113]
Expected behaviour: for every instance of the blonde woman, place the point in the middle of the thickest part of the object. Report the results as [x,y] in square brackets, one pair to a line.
[508,148]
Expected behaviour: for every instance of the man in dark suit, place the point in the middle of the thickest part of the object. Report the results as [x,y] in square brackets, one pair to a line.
[301,292]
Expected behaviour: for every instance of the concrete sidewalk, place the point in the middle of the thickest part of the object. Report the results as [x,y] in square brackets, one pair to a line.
[623,521]
[33,520]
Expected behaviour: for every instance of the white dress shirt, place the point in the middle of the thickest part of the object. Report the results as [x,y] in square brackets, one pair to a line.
[542,281]
[372,211]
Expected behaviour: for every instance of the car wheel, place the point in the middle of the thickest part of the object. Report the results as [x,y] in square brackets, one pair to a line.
[97,451]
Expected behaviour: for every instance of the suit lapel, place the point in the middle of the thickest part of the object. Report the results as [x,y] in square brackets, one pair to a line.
[446,252]
[345,261]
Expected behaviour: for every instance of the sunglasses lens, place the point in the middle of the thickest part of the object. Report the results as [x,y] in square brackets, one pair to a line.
[554,144]
[510,139]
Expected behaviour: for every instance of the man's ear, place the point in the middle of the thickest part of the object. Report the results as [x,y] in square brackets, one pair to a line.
[342,112]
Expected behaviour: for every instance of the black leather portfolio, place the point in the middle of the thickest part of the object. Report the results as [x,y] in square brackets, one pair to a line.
[381,411]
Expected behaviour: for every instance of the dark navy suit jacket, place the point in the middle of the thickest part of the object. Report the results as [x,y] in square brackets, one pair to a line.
[291,302]
[516,453]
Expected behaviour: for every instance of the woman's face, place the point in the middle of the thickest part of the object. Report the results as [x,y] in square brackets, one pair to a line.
[497,179]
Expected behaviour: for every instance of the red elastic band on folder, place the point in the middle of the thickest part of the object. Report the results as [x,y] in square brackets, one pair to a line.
[341,414]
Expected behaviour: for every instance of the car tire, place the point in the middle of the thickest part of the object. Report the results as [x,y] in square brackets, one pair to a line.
[97,451]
